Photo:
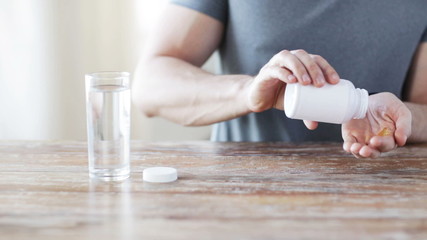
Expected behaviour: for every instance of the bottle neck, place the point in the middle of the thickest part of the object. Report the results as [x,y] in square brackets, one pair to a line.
[362,97]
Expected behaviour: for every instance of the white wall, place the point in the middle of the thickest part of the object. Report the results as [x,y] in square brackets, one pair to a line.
[46,47]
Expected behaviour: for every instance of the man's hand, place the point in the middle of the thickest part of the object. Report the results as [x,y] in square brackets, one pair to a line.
[387,125]
[267,88]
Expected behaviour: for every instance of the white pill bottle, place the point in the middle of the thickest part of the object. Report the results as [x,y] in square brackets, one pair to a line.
[336,103]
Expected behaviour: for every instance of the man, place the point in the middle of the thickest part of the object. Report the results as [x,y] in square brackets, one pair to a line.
[380,46]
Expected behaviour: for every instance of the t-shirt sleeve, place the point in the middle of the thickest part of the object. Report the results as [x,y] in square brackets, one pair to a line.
[424,37]
[217,9]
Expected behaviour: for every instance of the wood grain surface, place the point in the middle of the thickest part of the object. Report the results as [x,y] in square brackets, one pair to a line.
[224,191]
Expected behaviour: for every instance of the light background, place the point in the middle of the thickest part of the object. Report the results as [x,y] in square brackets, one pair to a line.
[46,47]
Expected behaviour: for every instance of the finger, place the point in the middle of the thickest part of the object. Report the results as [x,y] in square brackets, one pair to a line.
[403,126]
[346,146]
[276,72]
[348,139]
[367,152]
[292,63]
[355,148]
[312,67]
[329,72]
[382,144]
[311,124]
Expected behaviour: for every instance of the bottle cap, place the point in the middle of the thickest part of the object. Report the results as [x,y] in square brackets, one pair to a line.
[159,174]
[363,104]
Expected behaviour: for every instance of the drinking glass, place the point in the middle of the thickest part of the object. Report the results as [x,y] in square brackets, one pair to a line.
[108,125]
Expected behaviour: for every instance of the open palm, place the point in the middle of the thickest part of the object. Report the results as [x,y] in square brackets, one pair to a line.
[387,125]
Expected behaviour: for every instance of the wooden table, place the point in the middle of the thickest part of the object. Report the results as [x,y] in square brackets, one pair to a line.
[224,191]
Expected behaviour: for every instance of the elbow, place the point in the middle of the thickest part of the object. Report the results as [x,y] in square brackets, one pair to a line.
[141,102]
[142,95]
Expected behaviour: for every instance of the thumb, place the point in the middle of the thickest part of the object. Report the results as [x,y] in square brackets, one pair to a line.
[403,126]
[311,124]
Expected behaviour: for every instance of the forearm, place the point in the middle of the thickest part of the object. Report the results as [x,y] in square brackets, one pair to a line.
[185,94]
[419,123]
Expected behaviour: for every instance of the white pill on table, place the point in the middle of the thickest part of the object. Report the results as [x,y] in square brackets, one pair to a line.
[159,174]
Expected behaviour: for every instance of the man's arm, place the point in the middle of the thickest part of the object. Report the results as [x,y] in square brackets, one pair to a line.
[403,121]
[416,95]
[169,83]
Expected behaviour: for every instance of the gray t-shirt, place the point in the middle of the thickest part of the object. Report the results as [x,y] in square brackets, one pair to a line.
[370,43]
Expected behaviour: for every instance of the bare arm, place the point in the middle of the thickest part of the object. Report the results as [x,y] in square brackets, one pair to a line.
[404,121]
[168,81]
[417,95]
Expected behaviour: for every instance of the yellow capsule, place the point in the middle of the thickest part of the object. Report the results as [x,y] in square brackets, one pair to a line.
[385,132]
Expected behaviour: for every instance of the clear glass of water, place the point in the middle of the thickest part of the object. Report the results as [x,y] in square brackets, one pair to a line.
[108,125]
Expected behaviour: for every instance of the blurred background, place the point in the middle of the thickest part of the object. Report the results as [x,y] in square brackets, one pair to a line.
[46,47]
